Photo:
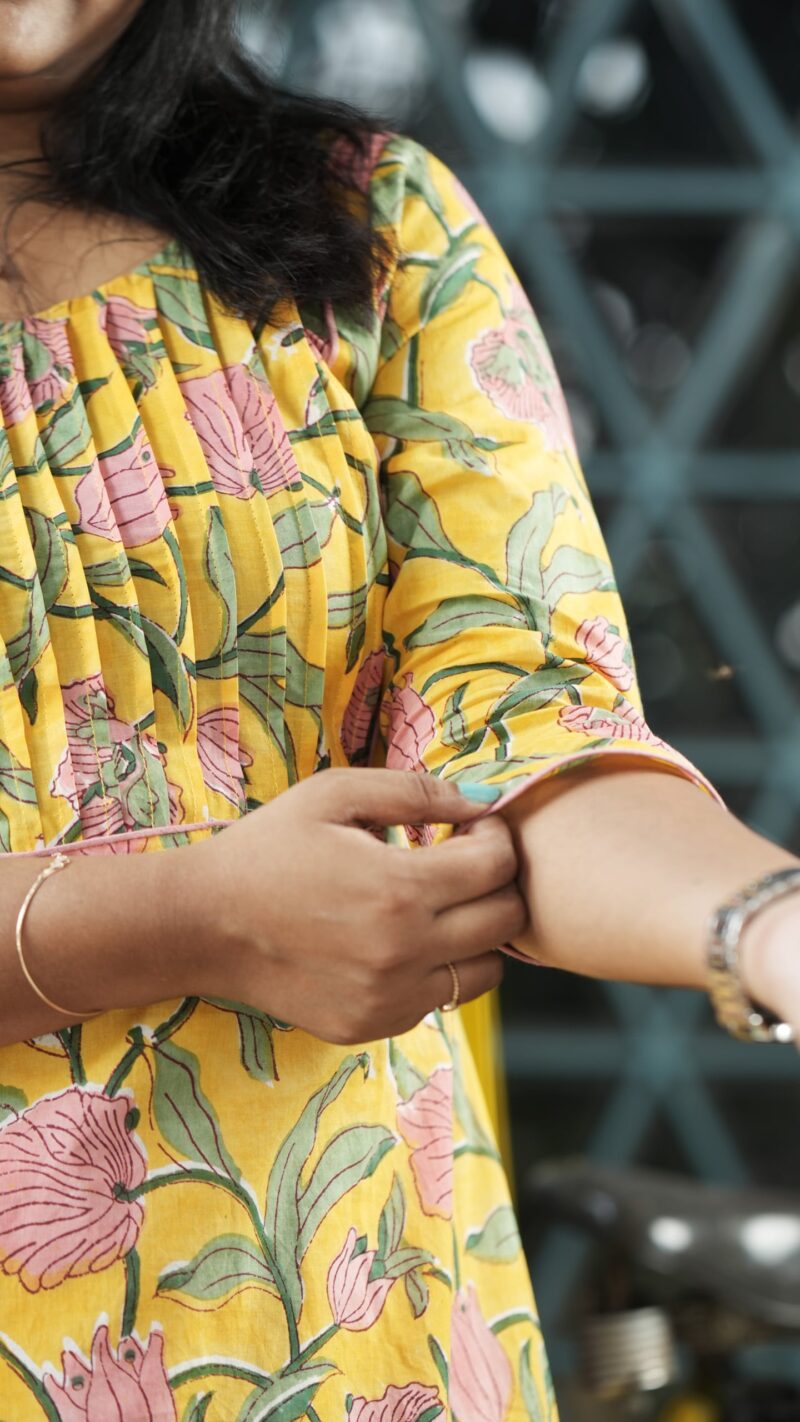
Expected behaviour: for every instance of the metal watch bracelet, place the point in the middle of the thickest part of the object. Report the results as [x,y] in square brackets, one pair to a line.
[735,1011]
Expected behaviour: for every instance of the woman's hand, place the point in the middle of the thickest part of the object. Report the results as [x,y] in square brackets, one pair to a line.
[313,919]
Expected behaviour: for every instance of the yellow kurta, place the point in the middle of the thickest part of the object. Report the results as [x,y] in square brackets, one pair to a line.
[230,558]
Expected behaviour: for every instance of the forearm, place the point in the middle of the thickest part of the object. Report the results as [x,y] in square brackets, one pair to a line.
[108,931]
[621,868]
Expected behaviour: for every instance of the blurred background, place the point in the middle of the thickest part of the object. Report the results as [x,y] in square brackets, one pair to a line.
[640,162]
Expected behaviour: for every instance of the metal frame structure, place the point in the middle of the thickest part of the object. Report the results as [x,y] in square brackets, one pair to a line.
[663,1053]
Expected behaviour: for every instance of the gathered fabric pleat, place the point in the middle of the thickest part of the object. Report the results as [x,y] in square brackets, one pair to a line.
[165,607]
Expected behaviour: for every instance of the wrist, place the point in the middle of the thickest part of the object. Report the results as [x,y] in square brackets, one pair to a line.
[210,952]
[114,931]
[768,953]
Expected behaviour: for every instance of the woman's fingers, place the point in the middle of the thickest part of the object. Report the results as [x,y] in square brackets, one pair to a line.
[394,797]
[470,867]
[475,977]
[468,930]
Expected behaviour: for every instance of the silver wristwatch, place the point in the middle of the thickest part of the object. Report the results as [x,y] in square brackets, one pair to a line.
[735,1011]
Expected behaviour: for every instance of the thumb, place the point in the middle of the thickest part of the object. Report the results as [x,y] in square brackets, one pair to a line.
[399,797]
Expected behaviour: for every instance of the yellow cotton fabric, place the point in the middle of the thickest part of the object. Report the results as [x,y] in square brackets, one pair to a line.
[230,558]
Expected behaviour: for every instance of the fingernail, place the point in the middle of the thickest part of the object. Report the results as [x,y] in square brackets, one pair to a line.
[485,794]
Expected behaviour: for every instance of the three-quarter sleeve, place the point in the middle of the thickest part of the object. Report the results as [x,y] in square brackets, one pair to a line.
[508,656]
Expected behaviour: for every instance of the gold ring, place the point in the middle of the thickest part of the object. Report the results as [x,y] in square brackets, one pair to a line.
[453,1003]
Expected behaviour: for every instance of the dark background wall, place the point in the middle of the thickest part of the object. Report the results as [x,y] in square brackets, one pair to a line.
[639,160]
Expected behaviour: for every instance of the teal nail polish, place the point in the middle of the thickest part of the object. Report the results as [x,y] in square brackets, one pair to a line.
[485,794]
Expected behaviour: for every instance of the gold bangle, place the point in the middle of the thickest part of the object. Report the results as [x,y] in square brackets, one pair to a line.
[58,861]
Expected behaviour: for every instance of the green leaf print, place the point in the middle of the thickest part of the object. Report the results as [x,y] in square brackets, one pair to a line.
[412,518]
[538,1408]
[16,780]
[416,172]
[405,1261]
[218,568]
[286,1398]
[50,553]
[66,435]
[455,732]
[538,689]
[298,538]
[407,1078]
[575,570]
[355,643]
[197,1407]
[282,1210]
[37,356]
[12,1101]
[7,470]
[408,423]
[146,571]
[528,538]
[25,649]
[417,1291]
[256,1049]
[223,1266]
[570,570]
[347,607]
[439,1357]
[305,682]
[112,572]
[349,1158]
[262,674]
[474,1133]
[497,1241]
[183,1113]
[457,614]
[392,1221]
[180,300]
[168,670]
[447,281]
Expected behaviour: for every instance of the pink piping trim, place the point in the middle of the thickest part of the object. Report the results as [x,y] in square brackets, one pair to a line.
[146,833]
[681,767]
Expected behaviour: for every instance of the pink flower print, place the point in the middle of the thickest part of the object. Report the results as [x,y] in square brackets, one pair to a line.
[122,495]
[271,453]
[356,1300]
[15,400]
[398,1404]
[123,322]
[425,1122]
[131,1383]
[65,1164]
[412,726]
[357,720]
[605,651]
[513,367]
[355,166]
[481,1380]
[623,723]
[105,761]
[218,748]
[327,349]
[50,372]
[238,426]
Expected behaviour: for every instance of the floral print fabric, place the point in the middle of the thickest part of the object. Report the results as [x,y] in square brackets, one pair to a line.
[228,559]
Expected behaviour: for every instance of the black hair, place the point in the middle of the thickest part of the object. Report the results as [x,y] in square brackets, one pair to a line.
[177,126]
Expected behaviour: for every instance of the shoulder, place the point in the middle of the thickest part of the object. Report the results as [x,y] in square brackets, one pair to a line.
[406,179]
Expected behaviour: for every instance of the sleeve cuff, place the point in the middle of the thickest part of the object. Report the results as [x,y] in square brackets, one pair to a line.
[501,794]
